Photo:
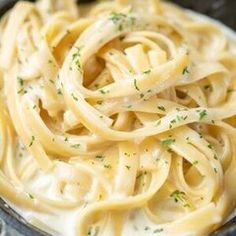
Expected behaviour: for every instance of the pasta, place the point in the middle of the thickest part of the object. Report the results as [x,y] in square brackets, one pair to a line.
[117,118]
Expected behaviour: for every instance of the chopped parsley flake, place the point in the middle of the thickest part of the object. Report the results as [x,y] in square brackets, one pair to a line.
[59,92]
[209,146]
[20,81]
[100,102]
[127,167]
[19,61]
[141,95]
[93,231]
[89,233]
[147,72]
[135,85]
[158,123]
[181,109]
[127,154]
[180,118]
[139,175]
[128,106]
[107,166]
[195,163]
[168,142]
[30,196]
[74,97]
[185,71]
[117,18]
[76,58]
[186,205]
[32,141]
[158,231]
[230,90]
[208,87]
[102,91]
[162,108]
[202,114]
[22,91]
[100,157]
[121,20]
[75,145]
[178,196]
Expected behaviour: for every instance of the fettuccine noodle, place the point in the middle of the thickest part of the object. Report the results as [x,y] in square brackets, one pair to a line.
[117,118]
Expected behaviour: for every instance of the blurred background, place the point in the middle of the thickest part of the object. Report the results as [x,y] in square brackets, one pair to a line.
[223,10]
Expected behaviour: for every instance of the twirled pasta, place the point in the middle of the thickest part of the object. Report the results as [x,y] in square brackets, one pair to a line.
[117,119]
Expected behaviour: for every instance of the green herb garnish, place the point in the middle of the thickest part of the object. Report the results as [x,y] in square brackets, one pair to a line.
[135,85]
[178,196]
[147,72]
[30,196]
[202,114]
[107,166]
[59,92]
[100,157]
[195,163]
[121,20]
[20,81]
[168,142]
[75,145]
[162,108]
[74,97]
[76,58]
[158,230]
[185,71]
[32,141]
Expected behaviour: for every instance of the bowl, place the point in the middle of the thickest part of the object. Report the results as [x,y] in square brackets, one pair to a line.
[12,224]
